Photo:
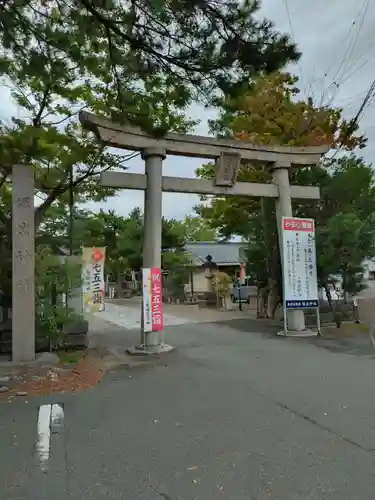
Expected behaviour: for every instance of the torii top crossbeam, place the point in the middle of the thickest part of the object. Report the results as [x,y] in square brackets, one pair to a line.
[133,138]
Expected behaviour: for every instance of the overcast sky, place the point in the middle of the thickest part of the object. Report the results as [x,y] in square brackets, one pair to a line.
[325,34]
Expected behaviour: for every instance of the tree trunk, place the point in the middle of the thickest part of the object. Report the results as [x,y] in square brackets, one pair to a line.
[272,292]
[275,283]
[274,299]
[119,291]
[328,293]
[262,302]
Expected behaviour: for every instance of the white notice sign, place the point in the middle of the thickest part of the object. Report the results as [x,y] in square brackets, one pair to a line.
[299,263]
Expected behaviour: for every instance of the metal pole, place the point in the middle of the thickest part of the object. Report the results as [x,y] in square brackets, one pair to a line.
[296,319]
[318,320]
[285,322]
[239,296]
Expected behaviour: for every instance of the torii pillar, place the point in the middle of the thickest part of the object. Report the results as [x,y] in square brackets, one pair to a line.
[280,171]
[152,236]
[228,154]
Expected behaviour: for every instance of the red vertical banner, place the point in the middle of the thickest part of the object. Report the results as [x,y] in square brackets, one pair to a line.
[156,299]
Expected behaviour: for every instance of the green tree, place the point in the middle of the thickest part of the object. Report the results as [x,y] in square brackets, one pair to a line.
[270,113]
[122,236]
[343,244]
[201,46]
[53,70]
[193,228]
[221,284]
[176,264]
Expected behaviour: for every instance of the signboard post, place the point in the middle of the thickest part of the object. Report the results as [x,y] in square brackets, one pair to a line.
[93,279]
[299,266]
[152,303]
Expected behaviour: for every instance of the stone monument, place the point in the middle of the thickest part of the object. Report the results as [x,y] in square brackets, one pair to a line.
[23,268]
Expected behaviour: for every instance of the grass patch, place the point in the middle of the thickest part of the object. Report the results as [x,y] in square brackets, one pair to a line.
[71,357]
[346,329]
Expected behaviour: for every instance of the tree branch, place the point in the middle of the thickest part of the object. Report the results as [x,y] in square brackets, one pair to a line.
[43,104]
[136,43]
[42,209]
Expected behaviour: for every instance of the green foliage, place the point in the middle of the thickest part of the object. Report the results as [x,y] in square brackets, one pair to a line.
[53,279]
[141,48]
[55,64]
[344,216]
[221,283]
[193,229]
[342,246]
[269,113]
[176,264]
[262,238]
[122,236]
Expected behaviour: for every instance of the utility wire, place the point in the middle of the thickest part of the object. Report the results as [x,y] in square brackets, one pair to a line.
[351,47]
[354,122]
[354,72]
[294,40]
[358,68]
[358,22]
[347,35]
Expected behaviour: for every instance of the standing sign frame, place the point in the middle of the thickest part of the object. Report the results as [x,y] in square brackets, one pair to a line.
[300,285]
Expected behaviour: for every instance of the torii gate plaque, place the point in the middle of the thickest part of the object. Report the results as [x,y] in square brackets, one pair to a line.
[229,154]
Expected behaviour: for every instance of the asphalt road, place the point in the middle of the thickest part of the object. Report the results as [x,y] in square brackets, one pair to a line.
[230,415]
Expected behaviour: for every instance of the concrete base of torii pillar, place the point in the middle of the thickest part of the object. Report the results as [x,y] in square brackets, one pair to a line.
[298,333]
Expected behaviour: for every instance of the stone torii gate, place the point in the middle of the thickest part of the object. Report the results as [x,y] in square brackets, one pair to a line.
[227,153]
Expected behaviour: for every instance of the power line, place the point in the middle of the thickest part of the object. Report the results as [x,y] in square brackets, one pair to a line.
[358,68]
[336,54]
[354,122]
[294,39]
[355,40]
[354,72]
[349,51]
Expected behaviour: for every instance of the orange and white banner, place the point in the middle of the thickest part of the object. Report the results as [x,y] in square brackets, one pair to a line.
[93,260]
[152,299]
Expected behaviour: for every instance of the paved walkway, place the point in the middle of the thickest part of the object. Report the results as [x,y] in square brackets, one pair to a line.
[231,415]
[118,327]
[127,314]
